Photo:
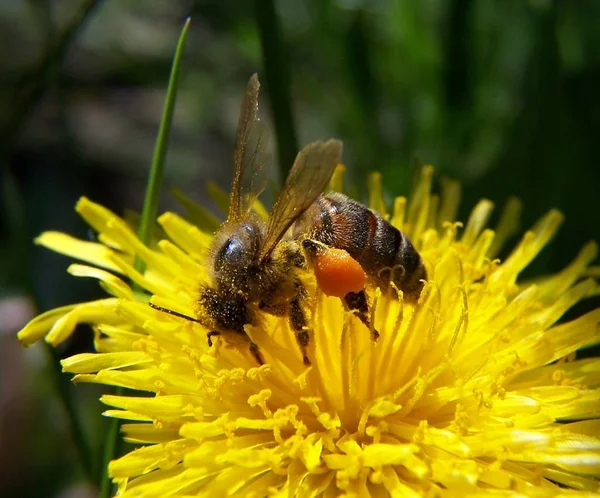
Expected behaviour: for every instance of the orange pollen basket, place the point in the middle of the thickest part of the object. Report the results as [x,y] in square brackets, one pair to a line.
[338,273]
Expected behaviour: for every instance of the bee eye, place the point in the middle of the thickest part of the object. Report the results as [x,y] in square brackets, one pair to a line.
[232,251]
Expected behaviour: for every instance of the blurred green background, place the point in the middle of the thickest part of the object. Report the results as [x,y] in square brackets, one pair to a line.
[502,95]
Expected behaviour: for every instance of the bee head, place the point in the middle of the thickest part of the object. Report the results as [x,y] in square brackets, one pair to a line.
[236,256]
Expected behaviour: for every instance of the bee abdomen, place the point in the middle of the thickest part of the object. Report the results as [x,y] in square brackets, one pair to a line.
[384,252]
[409,273]
[390,257]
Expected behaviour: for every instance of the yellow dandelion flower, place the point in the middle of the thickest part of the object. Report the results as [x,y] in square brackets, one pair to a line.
[473,390]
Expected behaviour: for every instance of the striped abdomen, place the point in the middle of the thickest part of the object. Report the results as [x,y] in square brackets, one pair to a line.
[382,250]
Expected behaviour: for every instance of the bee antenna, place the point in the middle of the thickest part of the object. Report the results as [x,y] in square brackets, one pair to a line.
[174,313]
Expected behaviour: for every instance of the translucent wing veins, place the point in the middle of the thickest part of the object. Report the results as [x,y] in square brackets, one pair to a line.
[307,180]
[251,159]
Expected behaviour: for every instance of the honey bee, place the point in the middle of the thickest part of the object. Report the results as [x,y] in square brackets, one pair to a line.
[255,265]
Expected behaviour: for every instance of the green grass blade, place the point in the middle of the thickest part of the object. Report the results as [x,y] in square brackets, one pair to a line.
[154,186]
[149,212]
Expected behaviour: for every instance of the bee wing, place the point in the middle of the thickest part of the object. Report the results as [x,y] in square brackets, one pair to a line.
[251,160]
[308,179]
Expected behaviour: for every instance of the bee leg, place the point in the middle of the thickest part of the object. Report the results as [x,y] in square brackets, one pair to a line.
[253,347]
[256,353]
[295,314]
[275,309]
[357,301]
[210,335]
[298,321]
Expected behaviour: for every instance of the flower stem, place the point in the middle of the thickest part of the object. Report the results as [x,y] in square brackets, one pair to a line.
[63,386]
[149,212]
